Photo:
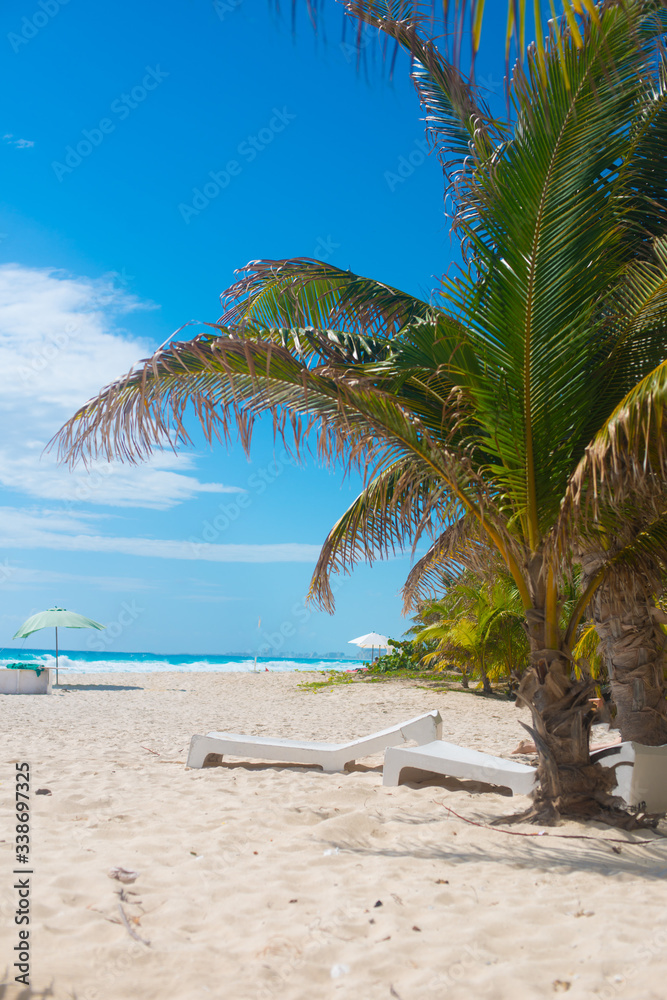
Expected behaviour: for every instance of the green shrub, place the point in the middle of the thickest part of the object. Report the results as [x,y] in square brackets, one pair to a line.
[406,655]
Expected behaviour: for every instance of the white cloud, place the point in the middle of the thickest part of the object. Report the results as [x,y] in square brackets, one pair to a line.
[206,598]
[159,484]
[64,531]
[19,143]
[18,578]
[61,340]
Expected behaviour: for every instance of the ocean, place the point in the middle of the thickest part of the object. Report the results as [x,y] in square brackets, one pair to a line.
[85,662]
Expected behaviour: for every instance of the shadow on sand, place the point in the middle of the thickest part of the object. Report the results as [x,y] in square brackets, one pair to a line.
[264,766]
[8,990]
[543,853]
[96,687]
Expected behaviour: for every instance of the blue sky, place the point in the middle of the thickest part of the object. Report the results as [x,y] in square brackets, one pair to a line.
[147,152]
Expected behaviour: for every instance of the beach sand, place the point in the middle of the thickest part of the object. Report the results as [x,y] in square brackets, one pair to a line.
[260,881]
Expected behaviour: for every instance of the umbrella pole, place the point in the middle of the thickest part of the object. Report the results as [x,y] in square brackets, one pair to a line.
[56,656]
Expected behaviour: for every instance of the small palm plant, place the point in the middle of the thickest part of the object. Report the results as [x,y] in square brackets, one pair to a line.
[587,655]
[478,628]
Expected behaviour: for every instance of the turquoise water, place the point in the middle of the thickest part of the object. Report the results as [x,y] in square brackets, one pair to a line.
[85,662]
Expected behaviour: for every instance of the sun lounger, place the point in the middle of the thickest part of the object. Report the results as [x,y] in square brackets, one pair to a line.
[410,764]
[641,773]
[210,749]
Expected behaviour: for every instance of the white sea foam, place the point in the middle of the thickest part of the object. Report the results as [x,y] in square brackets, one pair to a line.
[147,663]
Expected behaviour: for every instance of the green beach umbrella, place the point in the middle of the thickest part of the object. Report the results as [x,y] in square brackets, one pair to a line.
[55,618]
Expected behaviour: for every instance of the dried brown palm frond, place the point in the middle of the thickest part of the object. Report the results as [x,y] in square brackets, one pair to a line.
[624,544]
[225,380]
[619,480]
[229,381]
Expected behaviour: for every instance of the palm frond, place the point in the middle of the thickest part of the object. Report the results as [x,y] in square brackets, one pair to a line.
[641,184]
[395,508]
[457,119]
[628,456]
[587,653]
[543,223]
[639,549]
[460,546]
[301,293]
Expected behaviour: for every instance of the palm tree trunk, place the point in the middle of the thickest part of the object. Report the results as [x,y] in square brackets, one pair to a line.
[569,785]
[562,716]
[633,647]
[486,684]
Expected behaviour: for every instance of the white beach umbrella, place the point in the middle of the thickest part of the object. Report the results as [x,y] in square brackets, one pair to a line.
[370,641]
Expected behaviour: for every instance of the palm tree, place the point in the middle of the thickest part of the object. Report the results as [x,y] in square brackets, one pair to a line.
[471,417]
[477,626]
[629,539]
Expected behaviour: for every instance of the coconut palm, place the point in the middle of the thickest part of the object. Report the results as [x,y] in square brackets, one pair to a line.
[630,533]
[471,417]
[476,627]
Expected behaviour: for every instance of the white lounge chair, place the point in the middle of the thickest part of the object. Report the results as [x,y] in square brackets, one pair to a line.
[329,756]
[641,773]
[409,764]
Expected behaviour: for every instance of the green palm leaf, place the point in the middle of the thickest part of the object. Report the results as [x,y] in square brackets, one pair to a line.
[304,293]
